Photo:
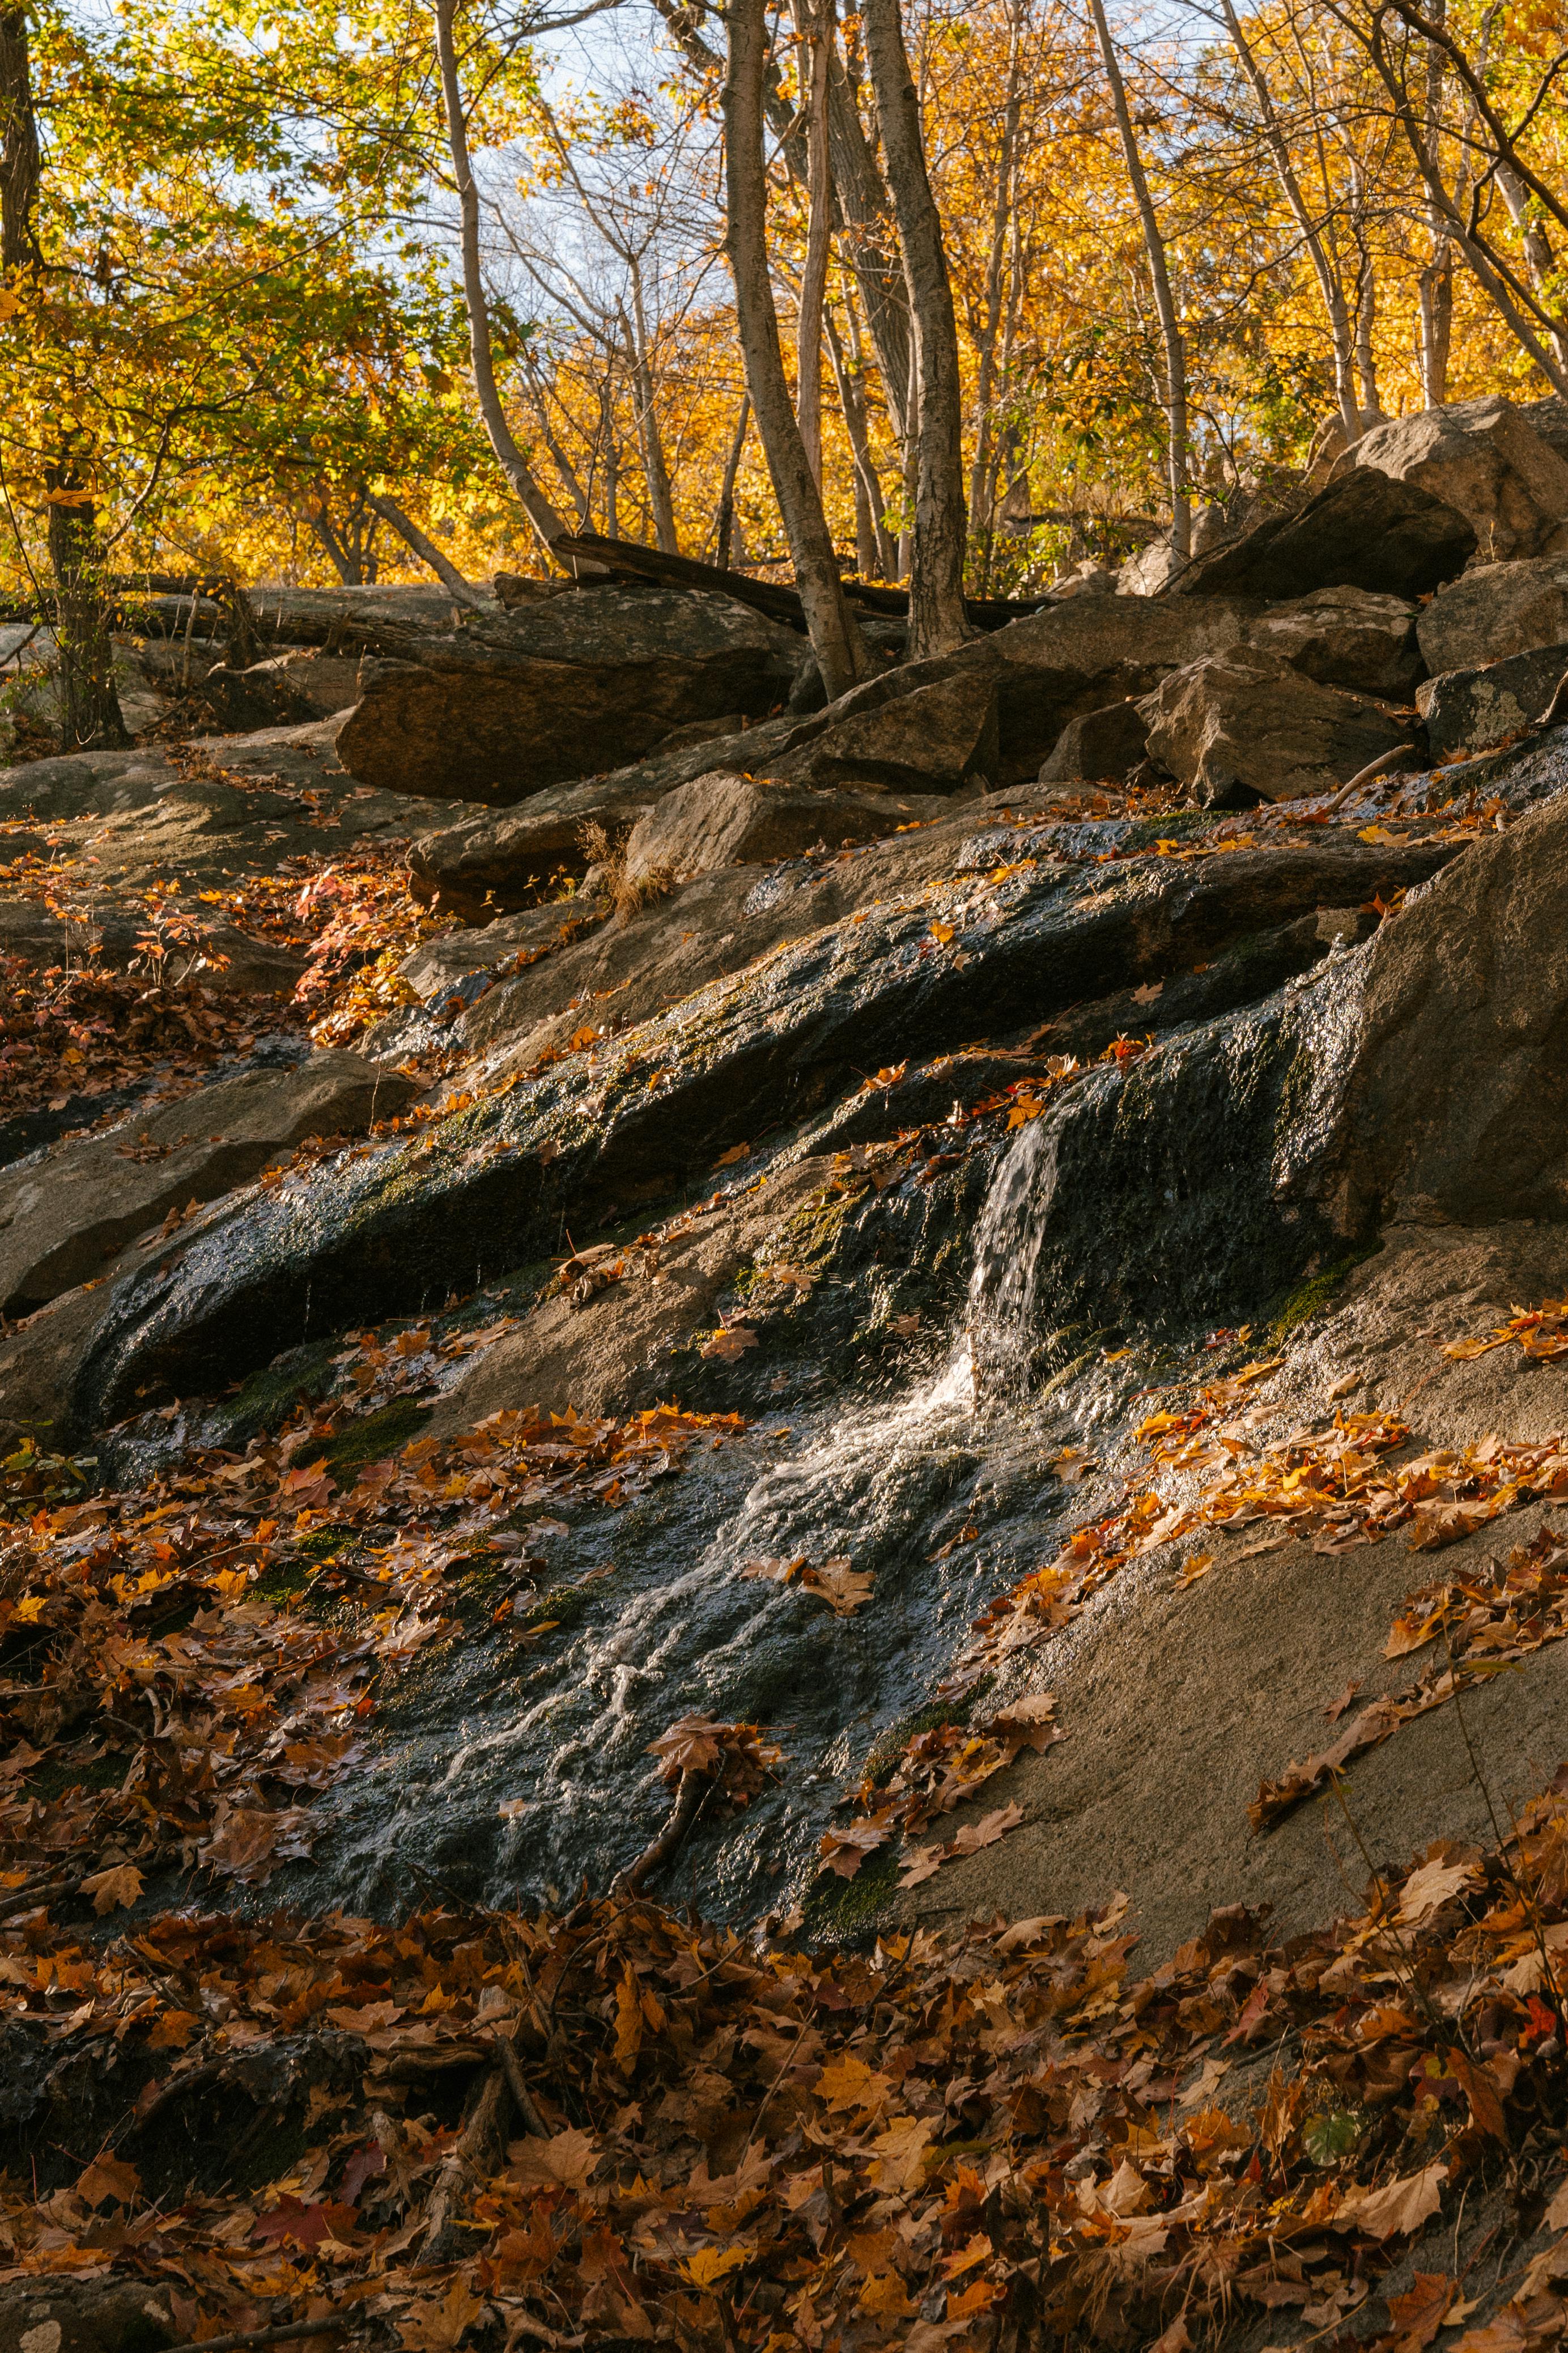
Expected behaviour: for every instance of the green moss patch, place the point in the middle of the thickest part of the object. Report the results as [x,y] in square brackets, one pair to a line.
[1315,1293]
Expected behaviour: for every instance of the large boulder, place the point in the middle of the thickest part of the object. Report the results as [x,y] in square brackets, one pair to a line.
[1102,746]
[66,1211]
[1052,666]
[1496,609]
[730,820]
[1484,459]
[1364,531]
[570,687]
[1456,1106]
[1247,719]
[1348,637]
[933,740]
[1470,710]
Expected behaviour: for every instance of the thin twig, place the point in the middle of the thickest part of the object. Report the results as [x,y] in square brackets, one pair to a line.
[288,2332]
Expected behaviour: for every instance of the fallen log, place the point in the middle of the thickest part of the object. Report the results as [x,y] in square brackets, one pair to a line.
[587,555]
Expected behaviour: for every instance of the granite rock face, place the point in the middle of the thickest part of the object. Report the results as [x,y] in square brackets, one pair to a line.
[570,687]
[1247,723]
[1486,459]
[1363,531]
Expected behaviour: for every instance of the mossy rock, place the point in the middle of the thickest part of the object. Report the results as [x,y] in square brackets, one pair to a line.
[385,1432]
[1309,1297]
[269,1398]
[851,1911]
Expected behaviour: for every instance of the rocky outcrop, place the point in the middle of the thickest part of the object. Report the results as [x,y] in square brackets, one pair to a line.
[285,690]
[1496,609]
[1456,1103]
[1484,459]
[729,819]
[65,1212]
[1470,710]
[1364,531]
[558,689]
[1102,745]
[1346,637]
[657,1106]
[1244,726]
[931,740]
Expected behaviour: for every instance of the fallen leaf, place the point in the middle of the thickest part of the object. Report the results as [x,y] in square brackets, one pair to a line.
[736,1152]
[108,2178]
[710,2265]
[122,1885]
[432,2326]
[988,1830]
[1397,2209]
[567,2159]
[730,1341]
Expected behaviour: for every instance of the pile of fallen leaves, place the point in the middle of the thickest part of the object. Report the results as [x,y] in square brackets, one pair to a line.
[70,1036]
[631,2124]
[183,1666]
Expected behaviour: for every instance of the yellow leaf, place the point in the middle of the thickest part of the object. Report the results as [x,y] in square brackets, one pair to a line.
[941,934]
[172,2029]
[885,2298]
[710,2265]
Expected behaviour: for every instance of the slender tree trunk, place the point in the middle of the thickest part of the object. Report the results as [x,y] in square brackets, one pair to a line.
[937,622]
[834,640]
[1436,284]
[1165,300]
[91,717]
[983,471]
[425,548]
[814,25]
[340,557]
[19,158]
[546,520]
[660,497]
[726,519]
[874,555]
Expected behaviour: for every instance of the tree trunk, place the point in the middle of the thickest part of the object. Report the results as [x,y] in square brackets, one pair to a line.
[660,498]
[834,640]
[425,549]
[936,571]
[984,471]
[814,25]
[546,521]
[1435,285]
[19,158]
[726,517]
[874,555]
[1165,300]
[90,718]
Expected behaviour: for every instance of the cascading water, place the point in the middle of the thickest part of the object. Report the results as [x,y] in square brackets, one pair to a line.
[523,1786]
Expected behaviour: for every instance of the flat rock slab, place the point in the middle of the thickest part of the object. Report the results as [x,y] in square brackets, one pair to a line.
[1470,710]
[1225,1683]
[731,820]
[1346,637]
[569,688]
[66,1212]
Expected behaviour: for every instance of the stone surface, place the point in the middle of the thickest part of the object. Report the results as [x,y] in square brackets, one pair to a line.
[567,688]
[1346,637]
[1102,746]
[1248,719]
[729,819]
[1496,609]
[933,740]
[65,1212]
[1484,459]
[1456,1101]
[489,1185]
[1364,531]
[1470,710]
[287,690]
